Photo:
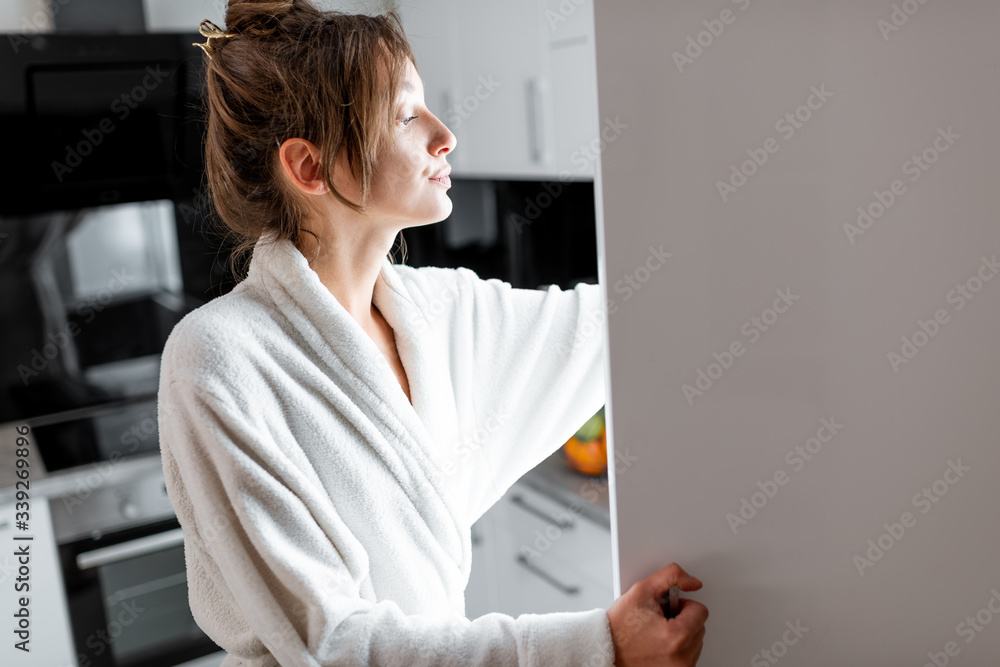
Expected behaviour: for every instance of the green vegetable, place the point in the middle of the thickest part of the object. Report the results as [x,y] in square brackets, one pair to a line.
[592,429]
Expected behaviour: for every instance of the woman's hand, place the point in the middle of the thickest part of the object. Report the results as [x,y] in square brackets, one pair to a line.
[643,636]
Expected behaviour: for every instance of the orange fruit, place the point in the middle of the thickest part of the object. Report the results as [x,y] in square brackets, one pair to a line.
[587,457]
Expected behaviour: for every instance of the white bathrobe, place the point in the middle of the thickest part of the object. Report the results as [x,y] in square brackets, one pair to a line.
[326,519]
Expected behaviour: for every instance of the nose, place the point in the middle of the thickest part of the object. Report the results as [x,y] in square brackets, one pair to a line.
[444,141]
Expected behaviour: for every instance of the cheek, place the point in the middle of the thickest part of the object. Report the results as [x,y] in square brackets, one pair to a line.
[404,168]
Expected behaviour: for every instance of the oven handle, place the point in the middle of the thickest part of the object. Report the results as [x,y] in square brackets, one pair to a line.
[130,549]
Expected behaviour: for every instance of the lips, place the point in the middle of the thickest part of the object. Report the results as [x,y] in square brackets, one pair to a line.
[443,177]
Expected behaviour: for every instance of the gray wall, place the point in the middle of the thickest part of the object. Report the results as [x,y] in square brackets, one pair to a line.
[906,414]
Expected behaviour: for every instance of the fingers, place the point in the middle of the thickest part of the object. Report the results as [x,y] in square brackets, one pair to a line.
[673,575]
[689,624]
[695,646]
[692,613]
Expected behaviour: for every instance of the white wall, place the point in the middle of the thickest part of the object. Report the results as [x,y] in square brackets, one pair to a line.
[692,459]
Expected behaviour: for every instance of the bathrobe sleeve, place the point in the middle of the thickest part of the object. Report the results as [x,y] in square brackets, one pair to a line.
[264,564]
[536,359]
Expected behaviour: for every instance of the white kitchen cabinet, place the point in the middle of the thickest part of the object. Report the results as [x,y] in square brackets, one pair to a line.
[481,596]
[527,96]
[515,81]
[36,578]
[576,140]
[538,556]
[430,26]
[502,108]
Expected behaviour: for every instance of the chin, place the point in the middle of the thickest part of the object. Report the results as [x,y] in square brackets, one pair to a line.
[441,214]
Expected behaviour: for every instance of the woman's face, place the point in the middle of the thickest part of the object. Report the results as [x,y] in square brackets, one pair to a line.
[403,192]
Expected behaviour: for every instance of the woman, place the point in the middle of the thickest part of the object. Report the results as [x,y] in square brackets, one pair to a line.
[315,422]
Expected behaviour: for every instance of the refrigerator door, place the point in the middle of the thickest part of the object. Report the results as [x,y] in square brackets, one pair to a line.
[800,250]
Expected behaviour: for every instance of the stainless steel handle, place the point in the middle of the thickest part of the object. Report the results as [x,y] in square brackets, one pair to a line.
[568,589]
[561,523]
[137,547]
[536,121]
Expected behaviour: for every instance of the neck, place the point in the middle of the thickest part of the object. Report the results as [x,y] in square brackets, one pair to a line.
[348,265]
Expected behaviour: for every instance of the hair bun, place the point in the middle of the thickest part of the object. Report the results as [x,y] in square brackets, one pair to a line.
[254,17]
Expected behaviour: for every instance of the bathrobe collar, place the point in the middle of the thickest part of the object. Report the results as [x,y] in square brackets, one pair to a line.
[423,431]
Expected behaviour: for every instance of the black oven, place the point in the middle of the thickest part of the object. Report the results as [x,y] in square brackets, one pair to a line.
[122,558]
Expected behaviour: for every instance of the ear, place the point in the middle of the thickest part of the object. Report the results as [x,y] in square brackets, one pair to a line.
[300,161]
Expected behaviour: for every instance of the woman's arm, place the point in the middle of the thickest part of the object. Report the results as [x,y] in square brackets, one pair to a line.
[537,357]
[267,549]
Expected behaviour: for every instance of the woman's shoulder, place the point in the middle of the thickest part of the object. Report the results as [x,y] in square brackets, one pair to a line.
[436,283]
[426,278]
[217,335]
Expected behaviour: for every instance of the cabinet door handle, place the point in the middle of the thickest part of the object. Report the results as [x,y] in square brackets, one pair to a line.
[536,121]
[531,567]
[561,523]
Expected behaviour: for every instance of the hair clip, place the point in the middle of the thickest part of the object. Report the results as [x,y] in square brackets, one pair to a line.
[210,31]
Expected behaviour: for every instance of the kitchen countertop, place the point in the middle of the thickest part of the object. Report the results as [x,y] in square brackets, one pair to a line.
[585,495]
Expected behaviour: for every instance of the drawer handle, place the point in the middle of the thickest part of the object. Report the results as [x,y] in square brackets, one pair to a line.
[561,523]
[531,567]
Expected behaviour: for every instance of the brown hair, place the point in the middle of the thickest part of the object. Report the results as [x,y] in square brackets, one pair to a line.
[288,69]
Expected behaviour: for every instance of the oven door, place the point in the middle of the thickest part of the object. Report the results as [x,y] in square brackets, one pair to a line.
[127,596]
